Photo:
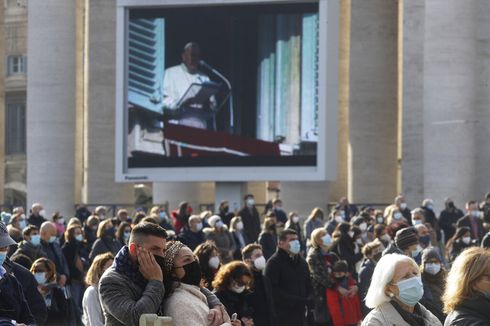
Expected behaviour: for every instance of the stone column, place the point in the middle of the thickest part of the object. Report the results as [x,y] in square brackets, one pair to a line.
[51,104]
[372,157]
[412,87]
[99,115]
[450,122]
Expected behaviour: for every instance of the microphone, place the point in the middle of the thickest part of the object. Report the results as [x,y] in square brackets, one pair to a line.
[204,64]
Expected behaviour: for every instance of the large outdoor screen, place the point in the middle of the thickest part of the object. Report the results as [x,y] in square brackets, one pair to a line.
[229,90]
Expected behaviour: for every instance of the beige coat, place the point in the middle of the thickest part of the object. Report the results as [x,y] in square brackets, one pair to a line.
[188,306]
[386,315]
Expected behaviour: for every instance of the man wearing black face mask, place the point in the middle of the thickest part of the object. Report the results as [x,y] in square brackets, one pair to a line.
[448,218]
[224,212]
[133,285]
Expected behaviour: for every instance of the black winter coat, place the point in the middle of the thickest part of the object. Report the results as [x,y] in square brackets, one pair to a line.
[291,287]
[260,301]
[13,304]
[251,222]
[472,312]
[268,241]
[235,303]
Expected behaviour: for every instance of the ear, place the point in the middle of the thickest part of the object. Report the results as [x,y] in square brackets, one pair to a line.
[133,249]
[391,290]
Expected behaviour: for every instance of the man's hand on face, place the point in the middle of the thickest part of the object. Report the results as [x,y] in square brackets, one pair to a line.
[148,266]
[218,316]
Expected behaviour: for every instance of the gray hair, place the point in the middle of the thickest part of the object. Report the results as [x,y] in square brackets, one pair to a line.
[382,276]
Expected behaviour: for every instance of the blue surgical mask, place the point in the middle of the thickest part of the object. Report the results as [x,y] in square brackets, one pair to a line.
[327,240]
[40,278]
[411,290]
[432,269]
[416,222]
[425,240]
[126,235]
[430,207]
[397,215]
[52,239]
[475,213]
[3,256]
[79,237]
[294,247]
[163,215]
[22,224]
[35,240]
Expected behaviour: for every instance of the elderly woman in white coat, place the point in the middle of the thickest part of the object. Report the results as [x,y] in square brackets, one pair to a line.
[394,294]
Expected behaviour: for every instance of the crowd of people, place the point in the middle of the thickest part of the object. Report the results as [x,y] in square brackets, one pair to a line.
[352,266]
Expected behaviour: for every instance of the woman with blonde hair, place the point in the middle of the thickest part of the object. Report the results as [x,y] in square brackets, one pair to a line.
[92,311]
[467,295]
[394,294]
[106,240]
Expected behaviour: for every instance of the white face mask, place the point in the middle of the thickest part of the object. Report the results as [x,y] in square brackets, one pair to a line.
[403,205]
[363,226]
[214,262]
[199,226]
[295,219]
[61,221]
[23,216]
[259,263]
[42,213]
[238,289]
[239,226]
[219,225]
[250,202]
[351,234]
[466,240]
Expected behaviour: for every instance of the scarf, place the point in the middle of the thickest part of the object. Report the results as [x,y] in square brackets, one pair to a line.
[125,266]
[414,319]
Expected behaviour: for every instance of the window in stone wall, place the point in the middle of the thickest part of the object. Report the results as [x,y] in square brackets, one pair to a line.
[16,65]
[16,128]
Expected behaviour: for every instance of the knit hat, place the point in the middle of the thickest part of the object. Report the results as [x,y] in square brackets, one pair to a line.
[213,220]
[430,253]
[406,237]
[5,239]
[340,267]
[171,252]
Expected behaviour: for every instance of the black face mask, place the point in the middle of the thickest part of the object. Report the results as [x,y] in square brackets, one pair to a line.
[450,205]
[192,274]
[160,261]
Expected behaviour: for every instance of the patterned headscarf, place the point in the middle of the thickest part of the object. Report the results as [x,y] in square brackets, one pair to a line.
[171,252]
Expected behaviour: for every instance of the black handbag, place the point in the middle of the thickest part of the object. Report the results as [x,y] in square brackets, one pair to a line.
[320,310]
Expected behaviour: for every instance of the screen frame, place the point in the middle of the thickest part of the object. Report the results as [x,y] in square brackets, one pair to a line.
[328,61]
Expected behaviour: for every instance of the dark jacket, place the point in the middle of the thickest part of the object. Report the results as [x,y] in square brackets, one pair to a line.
[268,241]
[291,287]
[251,222]
[235,303]
[71,251]
[55,254]
[472,312]
[447,219]
[31,251]
[433,289]
[365,275]
[236,237]
[90,235]
[36,220]
[485,243]
[191,239]
[29,288]
[458,247]
[103,245]
[13,304]
[345,249]
[466,221]
[59,311]
[260,301]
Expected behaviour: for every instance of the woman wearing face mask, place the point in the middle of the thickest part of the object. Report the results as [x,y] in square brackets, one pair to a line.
[343,299]
[459,242]
[394,294]
[58,306]
[73,250]
[231,286]
[395,216]
[294,224]
[320,262]
[239,236]
[361,223]
[467,294]
[223,239]
[314,221]
[372,252]
[15,226]
[158,213]
[381,234]
[208,257]
[106,240]
[184,300]
[268,238]
[260,299]
[122,234]
[434,280]
[336,217]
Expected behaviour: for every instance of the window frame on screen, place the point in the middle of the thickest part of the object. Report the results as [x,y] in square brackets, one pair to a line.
[325,169]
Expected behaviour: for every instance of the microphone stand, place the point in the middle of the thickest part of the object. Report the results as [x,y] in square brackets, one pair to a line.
[228,84]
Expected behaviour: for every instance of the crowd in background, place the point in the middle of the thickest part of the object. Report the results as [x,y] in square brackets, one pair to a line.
[353,265]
